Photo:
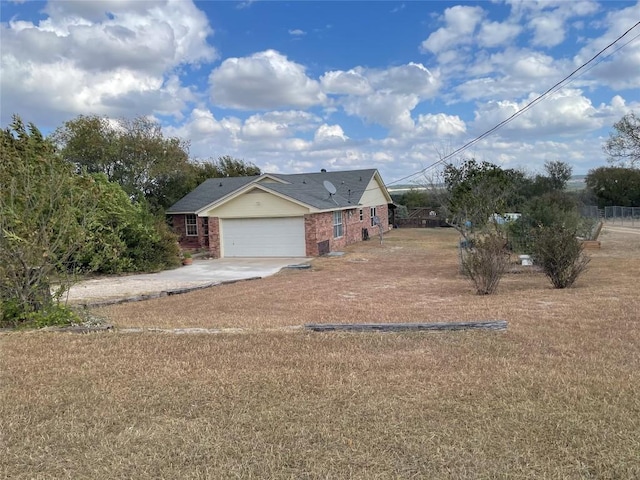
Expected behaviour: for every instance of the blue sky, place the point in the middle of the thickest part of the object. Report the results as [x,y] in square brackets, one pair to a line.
[300,86]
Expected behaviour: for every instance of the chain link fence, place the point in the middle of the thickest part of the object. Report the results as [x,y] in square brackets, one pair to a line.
[629,216]
[622,215]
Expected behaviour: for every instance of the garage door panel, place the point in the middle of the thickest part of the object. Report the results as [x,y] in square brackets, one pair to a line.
[263,237]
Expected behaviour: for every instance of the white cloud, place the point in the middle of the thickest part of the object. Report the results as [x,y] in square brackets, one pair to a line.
[440,125]
[277,124]
[494,34]
[352,82]
[296,32]
[511,73]
[263,80]
[460,24]
[410,79]
[566,112]
[101,57]
[330,135]
[384,108]
[548,30]
[548,19]
[622,70]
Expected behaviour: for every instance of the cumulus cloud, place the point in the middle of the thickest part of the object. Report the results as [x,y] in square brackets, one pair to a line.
[622,70]
[278,124]
[548,20]
[101,57]
[410,79]
[263,80]
[460,24]
[330,135]
[440,125]
[511,73]
[99,36]
[565,112]
[384,108]
[296,32]
[548,30]
[494,34]
[352,82]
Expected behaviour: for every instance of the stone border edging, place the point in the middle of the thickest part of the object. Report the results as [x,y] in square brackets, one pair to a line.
[163,293]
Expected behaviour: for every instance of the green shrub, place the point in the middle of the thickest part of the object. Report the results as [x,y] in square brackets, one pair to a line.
[13,315]
[558,252]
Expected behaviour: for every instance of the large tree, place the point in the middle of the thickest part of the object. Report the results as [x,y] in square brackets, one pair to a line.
[136,155]
[133,153]
[44,210]
[615,186]
[56,222]
[623,145]
[475,191]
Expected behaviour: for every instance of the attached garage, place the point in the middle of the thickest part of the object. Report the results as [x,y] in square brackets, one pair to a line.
[263,237]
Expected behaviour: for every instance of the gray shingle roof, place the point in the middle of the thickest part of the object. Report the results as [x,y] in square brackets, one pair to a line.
[208,192]
[307,188]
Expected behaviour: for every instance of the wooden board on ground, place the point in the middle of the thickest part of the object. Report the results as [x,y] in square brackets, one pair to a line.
[406,327]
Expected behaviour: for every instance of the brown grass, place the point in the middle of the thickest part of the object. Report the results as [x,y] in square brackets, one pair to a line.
[556,396]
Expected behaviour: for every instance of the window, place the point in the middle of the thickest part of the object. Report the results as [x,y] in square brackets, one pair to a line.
[205,226]
[191,223]
[337,224]
[361,215]
[373,214]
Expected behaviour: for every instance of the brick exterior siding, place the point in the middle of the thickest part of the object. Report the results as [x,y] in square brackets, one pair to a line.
[318,229]
[189,242]
[214,237]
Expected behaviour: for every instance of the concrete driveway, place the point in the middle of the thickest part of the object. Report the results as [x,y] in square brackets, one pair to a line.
[201,273]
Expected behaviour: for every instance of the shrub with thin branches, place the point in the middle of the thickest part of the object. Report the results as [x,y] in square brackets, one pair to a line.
[559,253]
[485,262]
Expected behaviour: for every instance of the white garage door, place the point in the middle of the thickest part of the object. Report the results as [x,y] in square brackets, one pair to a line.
[263,237]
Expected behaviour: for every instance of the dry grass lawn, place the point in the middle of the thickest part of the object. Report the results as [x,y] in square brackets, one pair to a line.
[556,396]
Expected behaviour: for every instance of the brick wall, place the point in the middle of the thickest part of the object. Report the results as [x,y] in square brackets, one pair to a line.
[190,242]
[310,237]
[319,228]
[214,237]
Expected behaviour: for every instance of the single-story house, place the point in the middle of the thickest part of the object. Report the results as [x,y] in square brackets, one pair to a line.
[275,215]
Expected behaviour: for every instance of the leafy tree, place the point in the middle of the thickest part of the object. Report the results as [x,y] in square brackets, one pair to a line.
[475,192]
[417,198]
[558,174]
[133,153]
[56,222]
[623,146]
[44,210]
[615,186]
[123,236]
[228,166]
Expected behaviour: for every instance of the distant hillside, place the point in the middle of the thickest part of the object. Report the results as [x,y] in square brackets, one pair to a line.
[577,182]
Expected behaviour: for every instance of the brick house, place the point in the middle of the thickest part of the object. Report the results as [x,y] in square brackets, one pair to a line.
[274,215]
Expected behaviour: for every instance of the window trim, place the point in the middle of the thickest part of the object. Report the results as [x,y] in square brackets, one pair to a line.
[361,214]
[373,212]
[191,228]
[338,224]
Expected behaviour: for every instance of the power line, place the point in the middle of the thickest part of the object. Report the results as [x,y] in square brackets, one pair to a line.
[556,87]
